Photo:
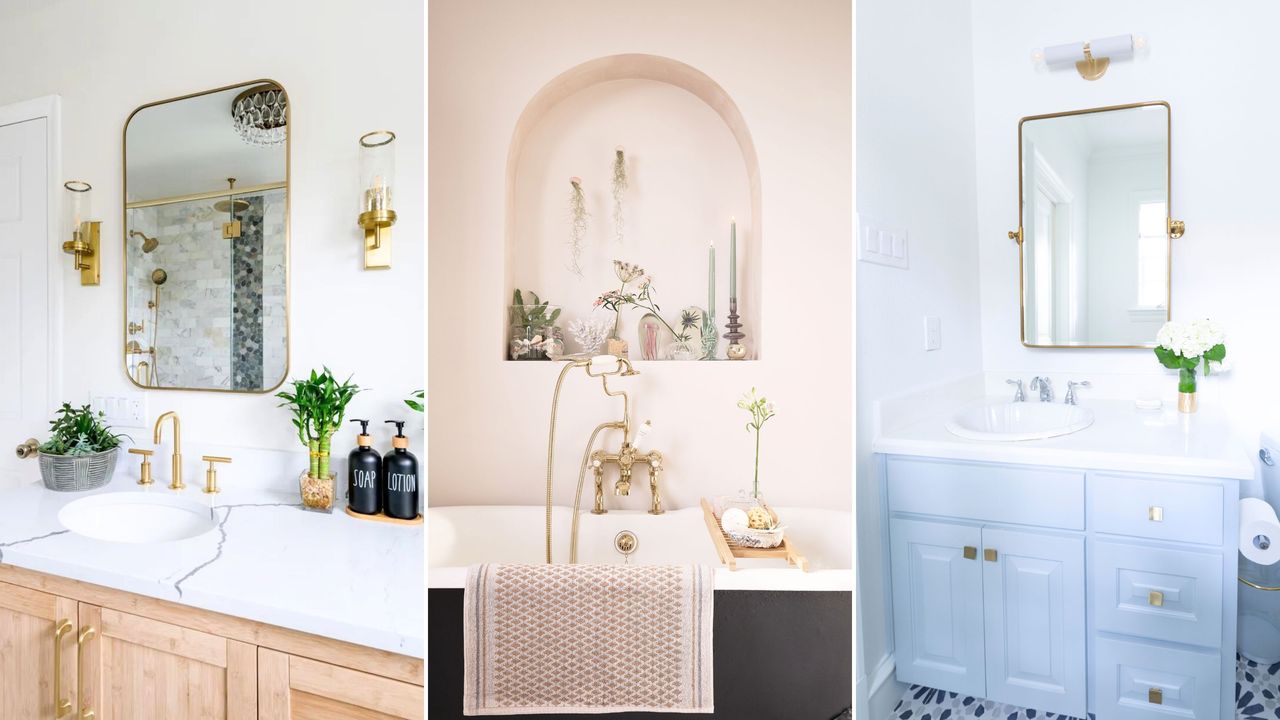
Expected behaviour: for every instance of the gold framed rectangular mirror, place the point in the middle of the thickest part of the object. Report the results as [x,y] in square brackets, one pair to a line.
[1095,229]
[206,240]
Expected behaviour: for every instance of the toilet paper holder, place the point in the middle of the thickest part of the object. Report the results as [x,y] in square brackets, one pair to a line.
[1255,585]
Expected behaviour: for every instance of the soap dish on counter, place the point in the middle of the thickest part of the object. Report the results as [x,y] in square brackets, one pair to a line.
[730,547]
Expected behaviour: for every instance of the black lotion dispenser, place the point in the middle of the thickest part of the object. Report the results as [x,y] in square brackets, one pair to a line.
[400,477]
[364,474]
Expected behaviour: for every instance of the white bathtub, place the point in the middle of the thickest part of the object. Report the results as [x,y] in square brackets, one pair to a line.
[463,535]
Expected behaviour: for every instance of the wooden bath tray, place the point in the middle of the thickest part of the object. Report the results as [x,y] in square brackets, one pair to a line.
[729,551]
[383,518]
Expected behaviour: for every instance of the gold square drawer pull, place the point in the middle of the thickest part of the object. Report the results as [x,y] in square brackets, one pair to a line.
[970,552]
[989,554]
[1155,696]
[1155,513]
[1155,598]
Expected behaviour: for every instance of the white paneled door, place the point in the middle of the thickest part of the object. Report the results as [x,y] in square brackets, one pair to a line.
[25,372]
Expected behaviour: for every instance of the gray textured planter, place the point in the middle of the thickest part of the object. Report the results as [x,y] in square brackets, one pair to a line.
[73,473]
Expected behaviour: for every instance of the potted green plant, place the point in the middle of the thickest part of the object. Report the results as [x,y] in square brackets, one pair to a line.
[81,451]
[319,404]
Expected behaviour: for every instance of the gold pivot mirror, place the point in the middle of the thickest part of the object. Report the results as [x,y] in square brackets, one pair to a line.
[1095,226]
[206,240]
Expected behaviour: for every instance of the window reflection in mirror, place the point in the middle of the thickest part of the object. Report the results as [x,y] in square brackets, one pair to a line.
[206,241]
[1095,211]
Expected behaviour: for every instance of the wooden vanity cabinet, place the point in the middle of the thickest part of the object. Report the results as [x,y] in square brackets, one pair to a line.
[32,650]
[124,657]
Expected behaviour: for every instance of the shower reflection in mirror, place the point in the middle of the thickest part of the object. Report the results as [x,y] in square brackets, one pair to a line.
[206,247]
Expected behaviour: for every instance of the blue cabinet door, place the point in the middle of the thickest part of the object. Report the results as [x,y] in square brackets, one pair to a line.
[937,605]
[1033,585]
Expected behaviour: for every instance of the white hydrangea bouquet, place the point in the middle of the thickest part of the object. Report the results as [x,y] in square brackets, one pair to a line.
[1185,347]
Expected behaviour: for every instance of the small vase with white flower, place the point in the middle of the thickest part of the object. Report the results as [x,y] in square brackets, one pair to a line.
[1185,347]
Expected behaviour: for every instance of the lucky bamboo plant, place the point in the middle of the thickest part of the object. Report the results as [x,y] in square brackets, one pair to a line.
[319,404]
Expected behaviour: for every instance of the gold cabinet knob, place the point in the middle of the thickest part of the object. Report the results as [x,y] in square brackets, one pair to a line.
[144,477]
[1155,696]
[1176,228]
[211,475]
[1155,598]
[970,552]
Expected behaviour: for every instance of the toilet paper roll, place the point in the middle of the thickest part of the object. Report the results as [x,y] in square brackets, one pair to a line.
[1259,531]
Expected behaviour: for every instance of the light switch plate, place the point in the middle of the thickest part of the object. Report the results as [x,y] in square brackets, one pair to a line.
[125,409]
[882,245]
[932,332]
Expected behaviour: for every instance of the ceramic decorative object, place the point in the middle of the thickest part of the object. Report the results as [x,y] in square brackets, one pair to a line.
[1185,347]
[736,350]
[80,453]
[75,473]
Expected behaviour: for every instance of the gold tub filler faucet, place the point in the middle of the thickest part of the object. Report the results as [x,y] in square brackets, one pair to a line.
[603,367]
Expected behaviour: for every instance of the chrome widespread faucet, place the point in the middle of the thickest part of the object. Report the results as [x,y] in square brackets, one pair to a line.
[1019,395]
[1044,386]
[1070,398]
[176,482]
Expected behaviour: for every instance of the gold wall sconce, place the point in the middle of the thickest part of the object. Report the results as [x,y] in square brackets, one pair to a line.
[1091,58]
[85,233]
[377,213]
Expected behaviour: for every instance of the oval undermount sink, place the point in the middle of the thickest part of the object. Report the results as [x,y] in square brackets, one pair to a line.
[1010,422]
[137,517]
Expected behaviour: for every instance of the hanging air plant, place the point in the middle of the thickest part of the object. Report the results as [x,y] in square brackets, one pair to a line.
[578,224]
[619,186]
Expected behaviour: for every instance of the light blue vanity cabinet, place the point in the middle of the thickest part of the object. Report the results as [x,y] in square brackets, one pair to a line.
[1064,590]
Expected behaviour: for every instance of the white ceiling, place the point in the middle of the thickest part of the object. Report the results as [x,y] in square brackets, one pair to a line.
[190,146]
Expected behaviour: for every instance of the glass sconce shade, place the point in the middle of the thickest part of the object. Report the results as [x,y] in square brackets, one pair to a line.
[377,171]
[79,206]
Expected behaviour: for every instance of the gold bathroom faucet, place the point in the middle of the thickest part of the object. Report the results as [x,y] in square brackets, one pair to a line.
[626,459]
[176,482]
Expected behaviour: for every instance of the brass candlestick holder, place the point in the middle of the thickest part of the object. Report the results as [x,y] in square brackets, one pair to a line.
[735,351]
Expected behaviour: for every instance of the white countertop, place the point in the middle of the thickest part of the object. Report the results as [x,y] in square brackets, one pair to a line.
[268,560]
[1121,438]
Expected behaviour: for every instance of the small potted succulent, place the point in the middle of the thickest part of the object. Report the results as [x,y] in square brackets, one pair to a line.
[534,335]
[319,404]
[81,451]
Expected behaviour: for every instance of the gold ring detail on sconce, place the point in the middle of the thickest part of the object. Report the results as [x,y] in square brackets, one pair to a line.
[390,137]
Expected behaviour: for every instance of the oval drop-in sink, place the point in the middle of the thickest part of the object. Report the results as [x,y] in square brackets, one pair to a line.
[1009,422]
[136,517]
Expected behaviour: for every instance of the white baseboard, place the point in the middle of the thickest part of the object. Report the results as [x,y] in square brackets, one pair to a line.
[885,690]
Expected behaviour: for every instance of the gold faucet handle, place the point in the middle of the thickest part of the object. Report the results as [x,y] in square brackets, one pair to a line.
[145,470]
[211,475]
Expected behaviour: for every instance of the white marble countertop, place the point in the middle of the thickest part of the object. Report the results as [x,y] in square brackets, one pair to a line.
[268,560]
[1121,438]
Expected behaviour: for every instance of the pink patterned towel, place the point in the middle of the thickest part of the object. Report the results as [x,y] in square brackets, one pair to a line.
[587,639]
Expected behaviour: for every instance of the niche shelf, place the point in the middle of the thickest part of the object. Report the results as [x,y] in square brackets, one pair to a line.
[692,167]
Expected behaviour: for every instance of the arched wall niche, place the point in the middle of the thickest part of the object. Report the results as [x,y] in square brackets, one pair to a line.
[570,89]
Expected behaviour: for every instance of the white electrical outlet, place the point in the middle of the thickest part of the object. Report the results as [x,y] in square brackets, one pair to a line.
[932,332]
[882,245]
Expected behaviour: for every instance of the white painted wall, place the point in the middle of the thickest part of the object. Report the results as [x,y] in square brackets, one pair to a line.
[788,73]
[915,170]
[105,59]
[1224,267]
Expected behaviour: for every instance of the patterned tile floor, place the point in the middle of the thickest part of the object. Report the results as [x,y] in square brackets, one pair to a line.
[1257,698]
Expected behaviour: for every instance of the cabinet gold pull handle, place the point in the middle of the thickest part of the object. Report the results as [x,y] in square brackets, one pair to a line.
[1155,598]
[86,634]
[989,554]
[60,707]
[970,552]
[1155,513]
[1155,696]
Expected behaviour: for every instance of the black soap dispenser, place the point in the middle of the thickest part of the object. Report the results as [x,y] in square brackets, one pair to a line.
[400,477]
[364,475]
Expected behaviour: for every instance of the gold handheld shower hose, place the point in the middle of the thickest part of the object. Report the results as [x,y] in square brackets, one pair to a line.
[622,368]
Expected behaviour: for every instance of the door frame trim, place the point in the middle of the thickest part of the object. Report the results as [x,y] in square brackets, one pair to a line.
[48,107]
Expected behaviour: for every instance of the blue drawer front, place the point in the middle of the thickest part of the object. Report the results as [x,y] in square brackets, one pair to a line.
[1159,593]
[1127,672]
[1156,508]
[1018,495]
